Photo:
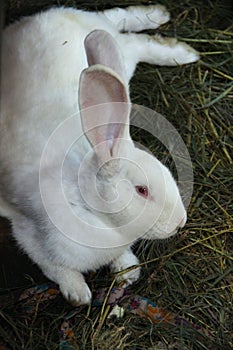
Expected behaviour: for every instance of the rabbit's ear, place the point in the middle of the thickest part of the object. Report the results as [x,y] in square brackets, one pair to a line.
[101,48]
[105,108]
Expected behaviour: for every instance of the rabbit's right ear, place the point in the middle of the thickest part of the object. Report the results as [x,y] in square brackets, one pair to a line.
[101,48]
[105,107]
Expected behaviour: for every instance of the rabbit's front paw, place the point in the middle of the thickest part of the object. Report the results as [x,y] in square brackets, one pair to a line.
[123,262]
[129,277]
[75,289]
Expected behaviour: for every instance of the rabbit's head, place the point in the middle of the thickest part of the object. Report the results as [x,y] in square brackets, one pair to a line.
[128,188]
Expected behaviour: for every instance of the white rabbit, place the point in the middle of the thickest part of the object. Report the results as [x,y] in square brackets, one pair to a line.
[78,202]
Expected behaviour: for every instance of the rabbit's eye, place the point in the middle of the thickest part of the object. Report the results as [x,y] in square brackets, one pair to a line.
[142,191]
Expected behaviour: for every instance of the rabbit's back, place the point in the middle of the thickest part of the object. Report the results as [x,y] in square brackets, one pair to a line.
[42,58]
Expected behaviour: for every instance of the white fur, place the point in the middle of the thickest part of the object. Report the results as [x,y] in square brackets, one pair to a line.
[43,60]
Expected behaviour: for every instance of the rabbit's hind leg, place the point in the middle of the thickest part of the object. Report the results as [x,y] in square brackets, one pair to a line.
[137,18]
[154,50]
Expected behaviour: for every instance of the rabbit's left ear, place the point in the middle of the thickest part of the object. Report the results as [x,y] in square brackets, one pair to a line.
[101,48]
[105,108]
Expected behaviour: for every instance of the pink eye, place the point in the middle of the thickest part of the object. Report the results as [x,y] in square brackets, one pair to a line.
[142,191]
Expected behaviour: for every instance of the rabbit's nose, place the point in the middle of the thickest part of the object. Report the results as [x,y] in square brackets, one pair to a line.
[183,221]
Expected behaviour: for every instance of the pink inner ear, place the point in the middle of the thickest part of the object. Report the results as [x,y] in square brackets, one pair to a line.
[105,108]
[114,131]
[101,48]
[99,87]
